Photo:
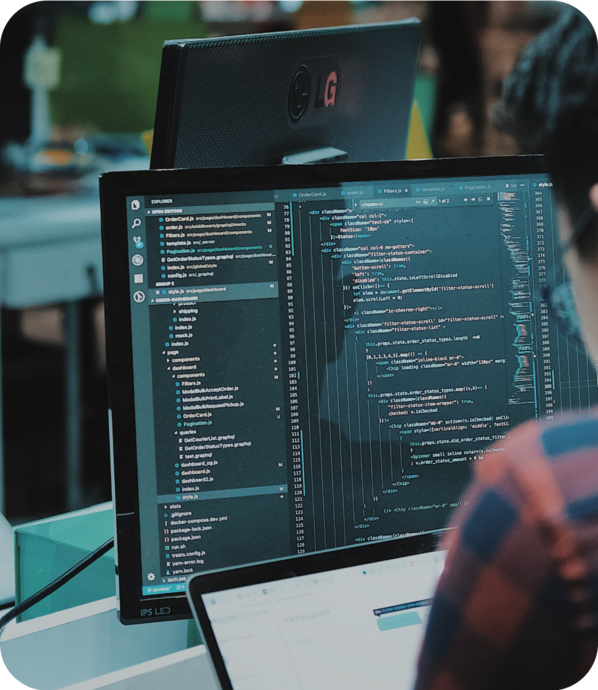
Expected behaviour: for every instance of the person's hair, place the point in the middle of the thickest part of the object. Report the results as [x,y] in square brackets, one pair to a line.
[550,105]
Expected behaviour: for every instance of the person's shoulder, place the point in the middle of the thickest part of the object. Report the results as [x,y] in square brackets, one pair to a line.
[570,434]
[553,464]
[548,453]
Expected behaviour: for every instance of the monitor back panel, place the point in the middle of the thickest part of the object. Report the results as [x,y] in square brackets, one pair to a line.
[252,100]
[301,359]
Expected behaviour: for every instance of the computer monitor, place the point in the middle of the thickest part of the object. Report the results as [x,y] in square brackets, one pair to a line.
[295,96]
[306,357]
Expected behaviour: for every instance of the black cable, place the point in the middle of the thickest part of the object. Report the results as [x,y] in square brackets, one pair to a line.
[56,584]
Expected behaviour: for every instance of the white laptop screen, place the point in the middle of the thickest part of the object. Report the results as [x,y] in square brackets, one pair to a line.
[356,627]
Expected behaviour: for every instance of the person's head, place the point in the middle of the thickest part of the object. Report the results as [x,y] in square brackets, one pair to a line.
[550,105]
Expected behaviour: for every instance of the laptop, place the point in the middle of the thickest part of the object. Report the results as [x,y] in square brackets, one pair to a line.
[347,619]
[303,358]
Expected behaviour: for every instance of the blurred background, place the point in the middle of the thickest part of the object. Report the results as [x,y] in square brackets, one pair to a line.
[79,84]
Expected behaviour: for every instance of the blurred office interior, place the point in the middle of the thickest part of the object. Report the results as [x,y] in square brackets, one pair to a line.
[79,83]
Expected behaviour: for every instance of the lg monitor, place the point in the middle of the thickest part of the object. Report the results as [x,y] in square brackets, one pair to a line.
[295,97]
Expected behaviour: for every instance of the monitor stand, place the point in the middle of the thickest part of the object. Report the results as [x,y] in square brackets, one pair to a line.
[321,155]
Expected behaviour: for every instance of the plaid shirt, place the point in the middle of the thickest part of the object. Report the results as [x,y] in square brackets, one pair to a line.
[517,603]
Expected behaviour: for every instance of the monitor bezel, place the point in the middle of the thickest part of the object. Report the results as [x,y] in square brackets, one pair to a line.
[114,188]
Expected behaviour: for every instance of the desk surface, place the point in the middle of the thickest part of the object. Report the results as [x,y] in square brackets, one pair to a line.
[50,250]
[31,220]
[42,220]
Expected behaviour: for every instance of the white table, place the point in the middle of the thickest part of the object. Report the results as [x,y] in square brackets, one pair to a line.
[87,648]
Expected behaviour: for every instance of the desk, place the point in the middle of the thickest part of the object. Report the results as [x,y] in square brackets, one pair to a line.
[87,648]
[50,252]
[85,645]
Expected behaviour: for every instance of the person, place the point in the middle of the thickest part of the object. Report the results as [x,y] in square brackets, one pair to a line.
[517,603]
[455,35]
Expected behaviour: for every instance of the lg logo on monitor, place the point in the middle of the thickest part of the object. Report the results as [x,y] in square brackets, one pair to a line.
[329,91]
[313,92]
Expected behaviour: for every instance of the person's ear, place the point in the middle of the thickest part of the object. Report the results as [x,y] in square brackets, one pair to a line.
[594,196]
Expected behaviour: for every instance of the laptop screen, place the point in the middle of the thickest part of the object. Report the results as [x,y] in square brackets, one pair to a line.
[318,357]
[355,627]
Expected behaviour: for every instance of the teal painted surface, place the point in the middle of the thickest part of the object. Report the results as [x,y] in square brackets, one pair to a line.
[46,549]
